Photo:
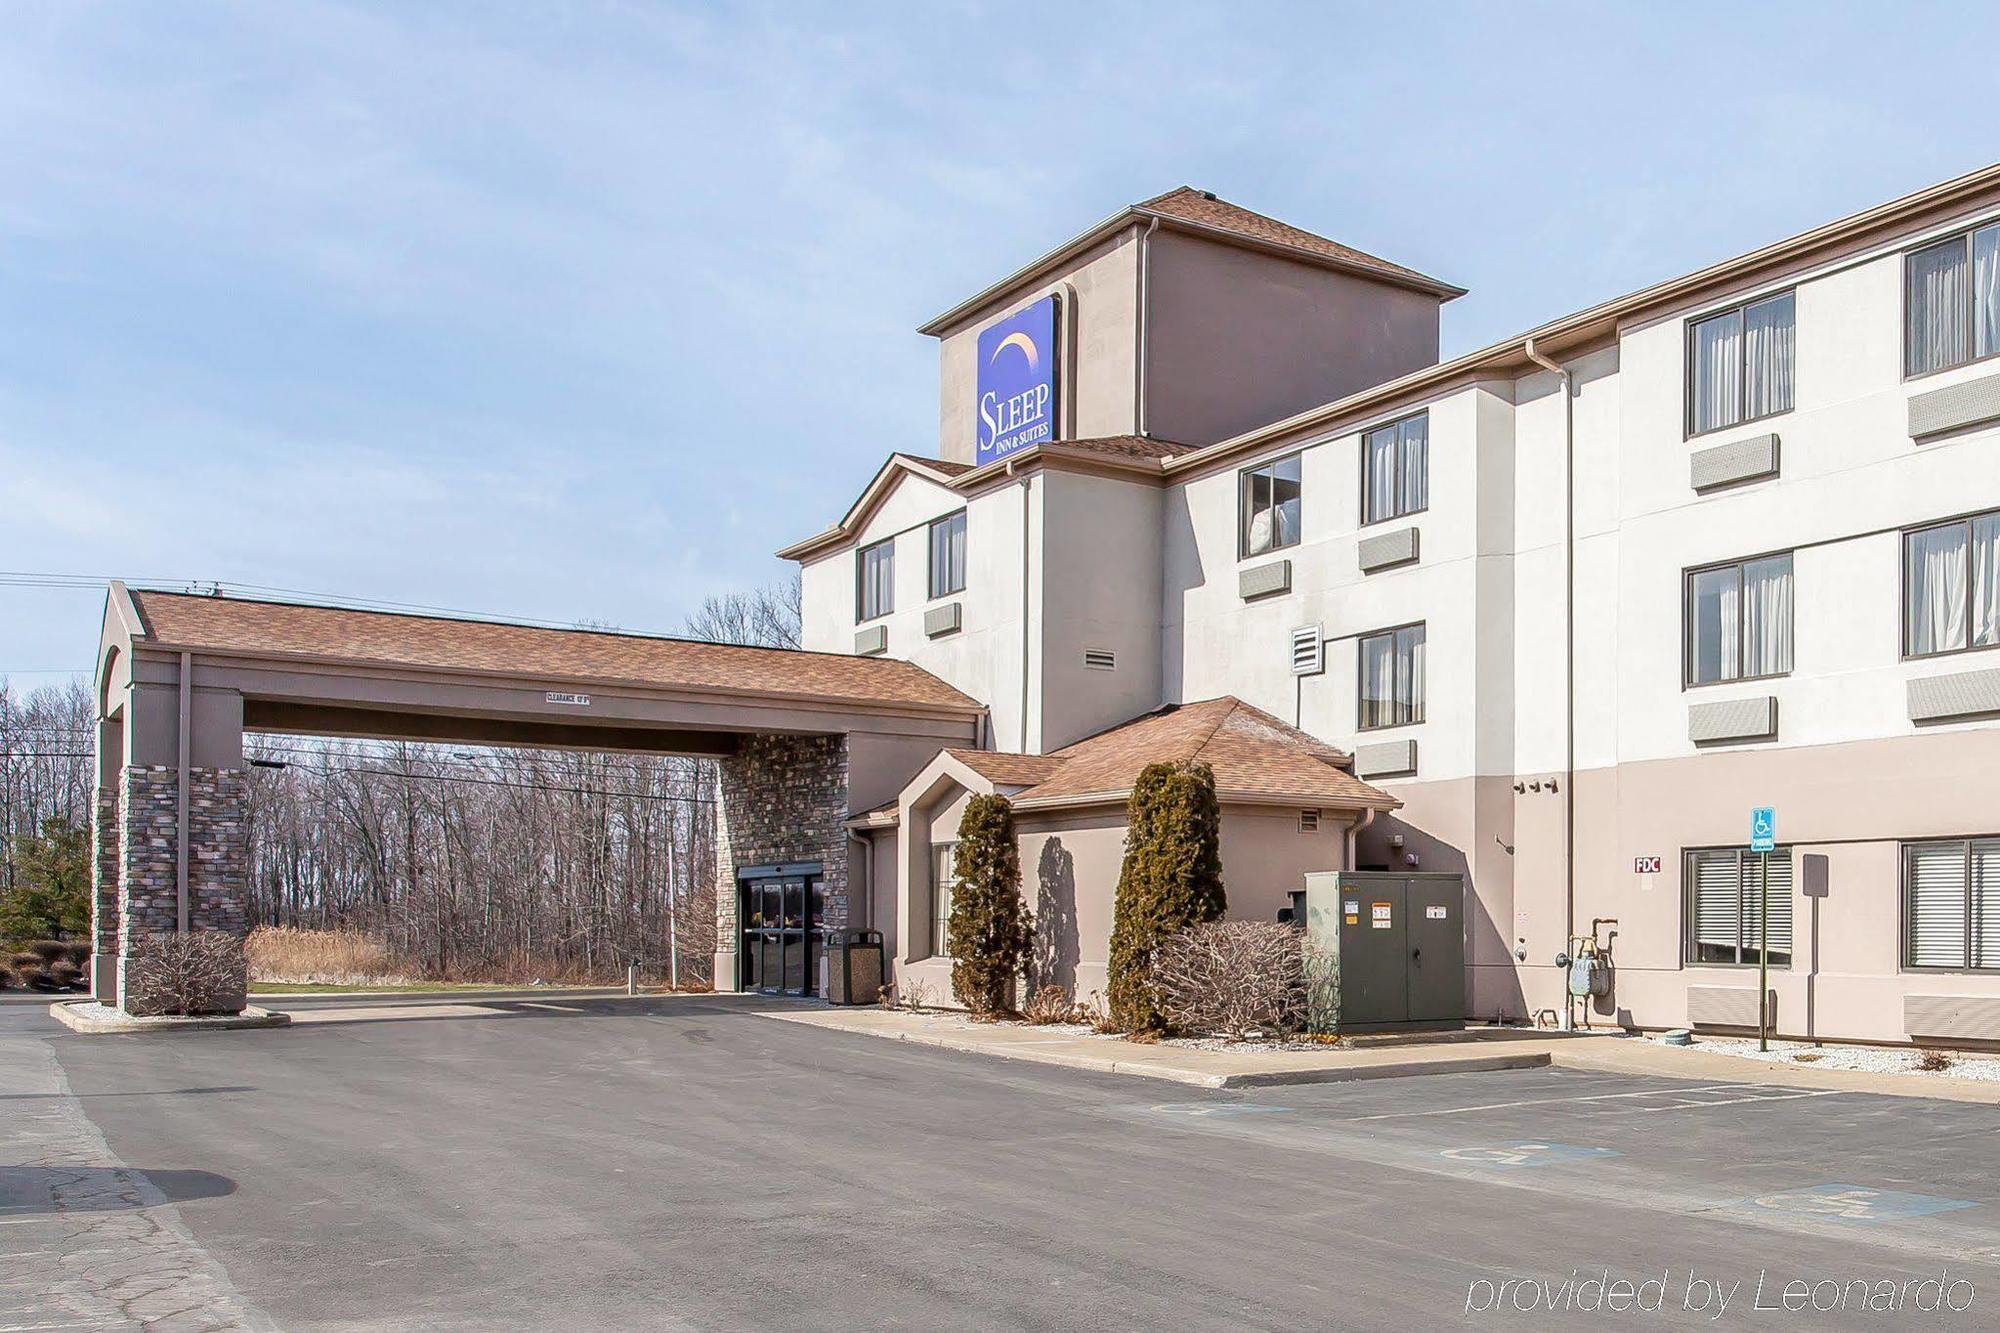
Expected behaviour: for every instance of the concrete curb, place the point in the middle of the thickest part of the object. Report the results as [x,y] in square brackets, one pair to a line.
[1201,1078]
[70,1013]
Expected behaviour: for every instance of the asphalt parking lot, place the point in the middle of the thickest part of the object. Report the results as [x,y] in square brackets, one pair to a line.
[684,1162]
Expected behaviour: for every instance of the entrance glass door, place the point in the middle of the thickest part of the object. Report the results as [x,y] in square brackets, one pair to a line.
[782,934]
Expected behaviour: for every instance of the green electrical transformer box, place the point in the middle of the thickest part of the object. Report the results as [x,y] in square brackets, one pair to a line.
[1400,940]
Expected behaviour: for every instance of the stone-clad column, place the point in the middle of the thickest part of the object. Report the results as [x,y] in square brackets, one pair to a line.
[781,799]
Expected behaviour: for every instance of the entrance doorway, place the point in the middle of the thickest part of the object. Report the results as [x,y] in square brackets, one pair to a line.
[783,933]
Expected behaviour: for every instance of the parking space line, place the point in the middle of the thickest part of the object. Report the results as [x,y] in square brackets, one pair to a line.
[1785,1095]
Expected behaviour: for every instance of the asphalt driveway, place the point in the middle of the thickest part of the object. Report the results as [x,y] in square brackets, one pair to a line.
[608,1164]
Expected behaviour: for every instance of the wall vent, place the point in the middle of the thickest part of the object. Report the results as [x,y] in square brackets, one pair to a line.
[1308,821]
[1100,659]
[1727,1007]
[1308,650]
[1967,1017]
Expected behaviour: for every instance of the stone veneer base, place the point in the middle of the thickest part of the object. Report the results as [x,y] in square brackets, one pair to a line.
[89,1016]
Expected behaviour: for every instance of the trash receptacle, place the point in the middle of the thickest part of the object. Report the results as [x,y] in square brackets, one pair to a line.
[854,966]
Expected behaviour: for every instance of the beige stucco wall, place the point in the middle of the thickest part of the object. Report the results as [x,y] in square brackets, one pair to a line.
[1238,338]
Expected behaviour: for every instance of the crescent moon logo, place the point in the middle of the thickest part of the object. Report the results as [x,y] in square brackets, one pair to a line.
[1022,341]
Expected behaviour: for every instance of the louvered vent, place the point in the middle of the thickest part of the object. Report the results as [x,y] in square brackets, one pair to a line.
[1100,659]
[1308,651]
[1308,821]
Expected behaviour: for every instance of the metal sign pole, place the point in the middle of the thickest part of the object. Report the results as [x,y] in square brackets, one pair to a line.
[1764,958]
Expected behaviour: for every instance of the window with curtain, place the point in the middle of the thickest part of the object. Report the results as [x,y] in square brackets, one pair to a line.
[1951,586]
[1951,302]
[944,856]
[1725,899]
[1951,903]
[875,580]
[948,554]
[1392,678]
[1395,469]
[1269,507]
[1740,364]
[1739,620]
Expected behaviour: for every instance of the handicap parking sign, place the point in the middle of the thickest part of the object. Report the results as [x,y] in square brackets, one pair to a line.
[1764,829]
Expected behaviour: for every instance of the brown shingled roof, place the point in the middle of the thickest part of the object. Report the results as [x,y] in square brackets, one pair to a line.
[1124,446]
[228,624]
[1200,207]
[1006,769]
[1254,755]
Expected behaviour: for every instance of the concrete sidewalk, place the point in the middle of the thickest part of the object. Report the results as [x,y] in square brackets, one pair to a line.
[1501,1048]
[1182,1064]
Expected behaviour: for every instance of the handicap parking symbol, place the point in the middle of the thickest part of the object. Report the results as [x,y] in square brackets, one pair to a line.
[1209,1110]
[1510,1156]
[1856,1203]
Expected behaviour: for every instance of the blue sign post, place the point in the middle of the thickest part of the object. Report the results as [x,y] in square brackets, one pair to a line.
[1764,841]
[1017,403]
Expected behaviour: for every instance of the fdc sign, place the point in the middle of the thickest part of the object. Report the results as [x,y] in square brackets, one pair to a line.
[1017,382]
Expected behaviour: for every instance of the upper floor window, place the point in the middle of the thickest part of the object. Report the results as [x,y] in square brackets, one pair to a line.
[1951,302]
[1269,509]
[875,580]
[1739,620]
[1951,586]
[1740,364]
[1725,906]
[1395,469]
[948,554]
[1392,677]
[1951,903]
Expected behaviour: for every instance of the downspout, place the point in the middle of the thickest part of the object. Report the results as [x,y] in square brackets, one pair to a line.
[867,846]
[1139,334]
[1569,635]
[183,737]
[1354,835]
[1026,598]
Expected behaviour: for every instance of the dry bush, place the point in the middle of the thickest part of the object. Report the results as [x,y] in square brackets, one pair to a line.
[7,978]
[1934,1062]
[200,972]
[49,951]
[47,965]
[1050,1004]
[1232,978]
[321,957]
[912,995]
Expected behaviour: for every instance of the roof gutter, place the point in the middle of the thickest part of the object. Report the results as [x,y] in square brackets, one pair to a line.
[1567,385]
[1139,333]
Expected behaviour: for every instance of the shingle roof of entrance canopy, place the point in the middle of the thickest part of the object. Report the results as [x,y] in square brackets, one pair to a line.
[324,633]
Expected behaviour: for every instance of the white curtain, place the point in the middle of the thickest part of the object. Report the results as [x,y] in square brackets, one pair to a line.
[1380,448]
[1413,701]
[1936,304]
[1985,559]
[1718,369]
[1416,433]
[1378,679]
[1767,356]
[1286,489]
[1986,291]
[1767,616]
[1713,627]
[1934,592]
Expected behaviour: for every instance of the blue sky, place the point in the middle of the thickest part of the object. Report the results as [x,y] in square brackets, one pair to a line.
[578,311]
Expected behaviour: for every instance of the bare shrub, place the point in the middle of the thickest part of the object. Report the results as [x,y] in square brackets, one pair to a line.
[200,972]
[914,995]
[1809,1057]
[1232,978]
[1320,972]
[320,957]
[1049,1004]
[7,978]
[49,951]
[1934,1062]
[48,966]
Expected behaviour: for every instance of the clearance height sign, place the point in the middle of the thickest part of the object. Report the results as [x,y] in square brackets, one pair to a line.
[1017,382]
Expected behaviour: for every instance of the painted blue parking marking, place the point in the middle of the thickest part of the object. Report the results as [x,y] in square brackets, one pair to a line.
[1514,1156]
[1855,1203]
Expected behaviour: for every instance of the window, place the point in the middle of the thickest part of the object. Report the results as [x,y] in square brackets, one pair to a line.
[944,879]
[1951,586]
[1740,364]
[1395,469]
[1269,506]
[1724,906]
[1951,302]
[1739,620]
[948,554]
[1951,903]
[875,580]
[1392,677]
